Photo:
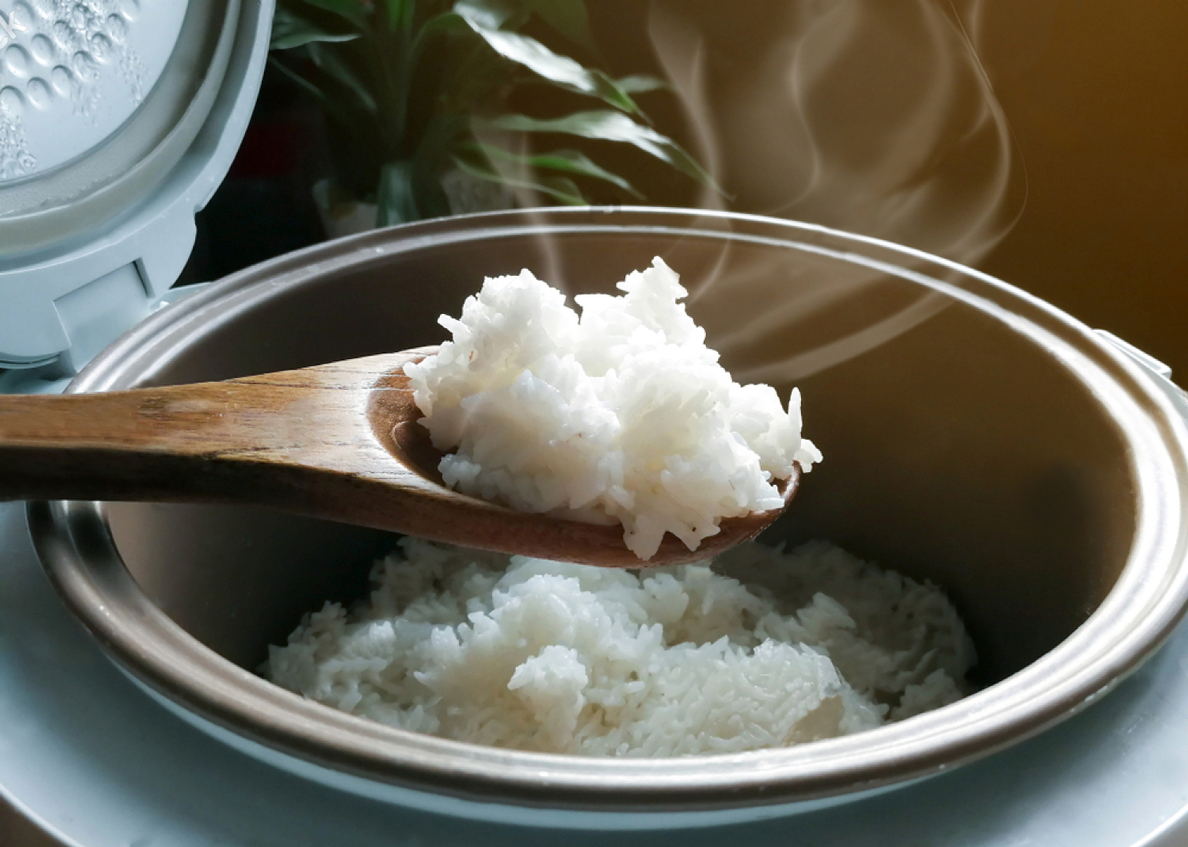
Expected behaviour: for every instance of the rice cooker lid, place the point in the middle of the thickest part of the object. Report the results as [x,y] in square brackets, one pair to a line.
[101,103]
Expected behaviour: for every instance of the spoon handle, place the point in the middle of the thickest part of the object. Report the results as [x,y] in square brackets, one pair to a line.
[254,439]
[337,442]
[149,444]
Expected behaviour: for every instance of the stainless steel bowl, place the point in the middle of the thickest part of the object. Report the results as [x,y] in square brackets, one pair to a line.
[973,435]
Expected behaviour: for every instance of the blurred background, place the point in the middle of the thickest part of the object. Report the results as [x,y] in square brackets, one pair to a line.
[1097,96]
[1042,141]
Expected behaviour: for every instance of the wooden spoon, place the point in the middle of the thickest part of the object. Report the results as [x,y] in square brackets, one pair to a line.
[337,441]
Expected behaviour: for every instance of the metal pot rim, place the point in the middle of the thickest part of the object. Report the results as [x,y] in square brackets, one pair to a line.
[1139,613]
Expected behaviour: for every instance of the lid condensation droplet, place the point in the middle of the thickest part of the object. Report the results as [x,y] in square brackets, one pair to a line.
[98,100]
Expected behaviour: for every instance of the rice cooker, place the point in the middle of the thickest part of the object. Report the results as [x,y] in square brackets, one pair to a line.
[118,119]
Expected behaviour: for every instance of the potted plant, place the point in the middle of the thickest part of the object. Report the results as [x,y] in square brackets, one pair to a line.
[434,107]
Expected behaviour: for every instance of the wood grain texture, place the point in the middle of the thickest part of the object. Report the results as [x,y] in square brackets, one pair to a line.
[337,441]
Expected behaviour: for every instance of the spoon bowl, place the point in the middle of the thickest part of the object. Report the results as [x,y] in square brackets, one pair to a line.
[338,441]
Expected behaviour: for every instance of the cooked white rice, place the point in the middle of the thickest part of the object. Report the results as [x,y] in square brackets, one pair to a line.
[621,413]
[565,658]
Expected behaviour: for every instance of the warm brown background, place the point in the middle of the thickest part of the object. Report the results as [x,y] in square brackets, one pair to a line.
[1096,95]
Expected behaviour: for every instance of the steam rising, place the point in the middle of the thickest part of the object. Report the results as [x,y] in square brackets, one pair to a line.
[870,116]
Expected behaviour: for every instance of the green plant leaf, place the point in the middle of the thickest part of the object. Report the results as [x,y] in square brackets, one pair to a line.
[331,63]
[565,190]
[400,13]
[439,140]
[559,188]
[290,30]
[354,11]
[298,80]
[608,126]
[570,161]
[333,109]
[488,14]
[641,84]
[536,57]
[395,200]
[568,17]
[442,24]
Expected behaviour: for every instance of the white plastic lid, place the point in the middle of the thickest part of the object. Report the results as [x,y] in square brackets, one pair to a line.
[118,118]
[73,73]
[98,99]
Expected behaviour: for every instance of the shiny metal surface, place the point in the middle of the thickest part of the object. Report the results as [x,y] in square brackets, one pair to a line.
[986,441]
[124,771]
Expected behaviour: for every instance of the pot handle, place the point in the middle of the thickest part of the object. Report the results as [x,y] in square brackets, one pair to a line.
[1145,359]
